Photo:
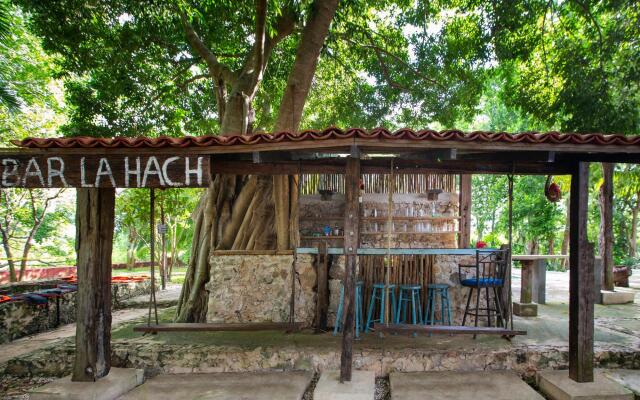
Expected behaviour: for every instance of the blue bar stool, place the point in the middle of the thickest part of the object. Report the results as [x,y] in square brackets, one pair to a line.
[433,291]
[378,293]
[359,314]
[409,294]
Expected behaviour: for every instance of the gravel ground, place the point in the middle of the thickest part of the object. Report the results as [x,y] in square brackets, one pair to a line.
[13,388]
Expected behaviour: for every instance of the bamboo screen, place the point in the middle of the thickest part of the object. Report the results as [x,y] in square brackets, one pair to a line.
[404,269]
[379,183]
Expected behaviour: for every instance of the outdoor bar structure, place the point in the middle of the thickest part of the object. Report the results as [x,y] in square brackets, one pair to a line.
[96,167]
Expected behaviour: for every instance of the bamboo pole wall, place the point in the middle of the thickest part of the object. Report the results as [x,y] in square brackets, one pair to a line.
[404,269]
[379,183]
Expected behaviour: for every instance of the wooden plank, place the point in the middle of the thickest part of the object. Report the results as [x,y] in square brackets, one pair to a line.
[82,171]
[223,327]
[351,238]
[397,251]
[94,240]
[322,303]
[446,329]
[536,257]
[464,239]
[581,281]
[253,252]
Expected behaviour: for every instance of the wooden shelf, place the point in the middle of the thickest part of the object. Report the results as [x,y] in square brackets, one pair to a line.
[426,218]
[320,237]
[410,233]
[321,218]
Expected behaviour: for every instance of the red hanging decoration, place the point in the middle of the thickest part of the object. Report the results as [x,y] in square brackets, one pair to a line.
[552,190]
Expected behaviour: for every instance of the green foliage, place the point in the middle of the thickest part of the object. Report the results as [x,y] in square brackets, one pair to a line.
[26,73]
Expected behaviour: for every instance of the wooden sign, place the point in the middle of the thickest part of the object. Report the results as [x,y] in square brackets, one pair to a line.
[111,171]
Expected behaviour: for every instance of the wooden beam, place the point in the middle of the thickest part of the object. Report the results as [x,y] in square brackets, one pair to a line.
[445,329]
[581,281]
[380,166]
[111,171]
[464,238]
[351,241]
[224,327]
[94,240]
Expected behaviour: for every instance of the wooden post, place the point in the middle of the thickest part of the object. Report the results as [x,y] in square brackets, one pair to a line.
[464,238]
[163,237]
[94,241]
[526,282]
[606,226]
[540,281]
[322,305]
[581,281]
[351,235]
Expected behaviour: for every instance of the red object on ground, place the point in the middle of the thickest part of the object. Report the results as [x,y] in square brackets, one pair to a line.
[40,273]
[4,299]
[480,244]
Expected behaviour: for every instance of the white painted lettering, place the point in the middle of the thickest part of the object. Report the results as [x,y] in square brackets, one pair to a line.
[83,182]
[188,172]
[33,169]
[7,173]
[128,171]
[165,171]
[152,162]
[104,169]
[52,172]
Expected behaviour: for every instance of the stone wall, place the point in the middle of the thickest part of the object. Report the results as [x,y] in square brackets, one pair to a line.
[19,318]
[257,288]
[154,357]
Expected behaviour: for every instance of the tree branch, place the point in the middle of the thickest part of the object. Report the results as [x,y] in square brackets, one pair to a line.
[216,68]
[380,50]
[261,32]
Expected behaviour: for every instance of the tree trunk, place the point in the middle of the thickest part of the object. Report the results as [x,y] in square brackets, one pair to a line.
[251,213]
[633,241]
[7,250]
[606,225]
[565,238]
[132,243]
[94,241]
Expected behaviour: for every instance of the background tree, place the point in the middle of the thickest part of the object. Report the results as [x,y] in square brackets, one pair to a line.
[22,215]
[206,67]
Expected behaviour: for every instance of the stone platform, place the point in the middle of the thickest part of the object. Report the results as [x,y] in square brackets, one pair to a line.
[480,385]
[224,386]
[557,385]
[118,382]
[361,387]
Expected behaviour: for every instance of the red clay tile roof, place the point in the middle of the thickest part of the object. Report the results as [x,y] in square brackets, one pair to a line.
[332,133]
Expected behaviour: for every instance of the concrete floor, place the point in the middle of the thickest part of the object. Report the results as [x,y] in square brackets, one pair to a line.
[482,385]
[224,386]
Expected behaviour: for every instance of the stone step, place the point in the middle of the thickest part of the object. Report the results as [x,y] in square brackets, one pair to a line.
[118,382]
[361,387]
[557,385]
[451,385]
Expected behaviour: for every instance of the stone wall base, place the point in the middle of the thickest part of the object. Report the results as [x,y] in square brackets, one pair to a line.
[173,358]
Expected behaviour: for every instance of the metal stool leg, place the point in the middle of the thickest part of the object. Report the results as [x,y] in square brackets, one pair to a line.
[338,323]
[466,309]
[372,303]
[448,307]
